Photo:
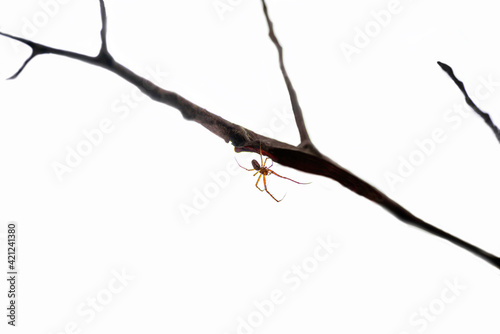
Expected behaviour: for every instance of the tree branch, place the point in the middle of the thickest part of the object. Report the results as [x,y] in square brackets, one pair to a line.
[104,29]
[305,141]
[486,117]
[302,157]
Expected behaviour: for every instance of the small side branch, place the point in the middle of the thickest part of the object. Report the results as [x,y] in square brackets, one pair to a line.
[305,141]
[104,31]
[486,117]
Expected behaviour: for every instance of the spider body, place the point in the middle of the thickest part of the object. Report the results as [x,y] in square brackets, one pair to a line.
[264,171]
[255,165]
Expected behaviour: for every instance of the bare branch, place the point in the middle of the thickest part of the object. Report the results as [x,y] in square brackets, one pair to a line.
[103,59]
[302,158]
[486,117]
[104,29]
[23,66]
[305,141]
[34,52]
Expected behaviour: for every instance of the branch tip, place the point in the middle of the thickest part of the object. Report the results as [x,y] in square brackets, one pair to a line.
[444,67]
[485,116]
[22,67]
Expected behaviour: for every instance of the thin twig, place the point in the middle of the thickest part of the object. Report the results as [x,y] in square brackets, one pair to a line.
[298,157]
[486,117]
[104,29]
[305,141]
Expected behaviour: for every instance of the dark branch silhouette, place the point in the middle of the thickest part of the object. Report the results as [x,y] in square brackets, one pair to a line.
[305,141]
[104,29]
[486,117]
[304,157]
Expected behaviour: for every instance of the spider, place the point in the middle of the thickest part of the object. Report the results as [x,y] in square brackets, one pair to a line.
[265,171]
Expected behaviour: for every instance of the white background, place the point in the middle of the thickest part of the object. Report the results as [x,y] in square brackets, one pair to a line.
[120,208]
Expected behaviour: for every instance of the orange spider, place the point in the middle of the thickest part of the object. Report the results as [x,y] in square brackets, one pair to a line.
[265,171]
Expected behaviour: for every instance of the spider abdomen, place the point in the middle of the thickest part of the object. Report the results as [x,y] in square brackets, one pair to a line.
[255,165]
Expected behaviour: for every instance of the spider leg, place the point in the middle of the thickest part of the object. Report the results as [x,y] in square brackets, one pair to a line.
[256,184]
[288,178]
[265,187]
[272,163]
[256,173]
[243,167]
